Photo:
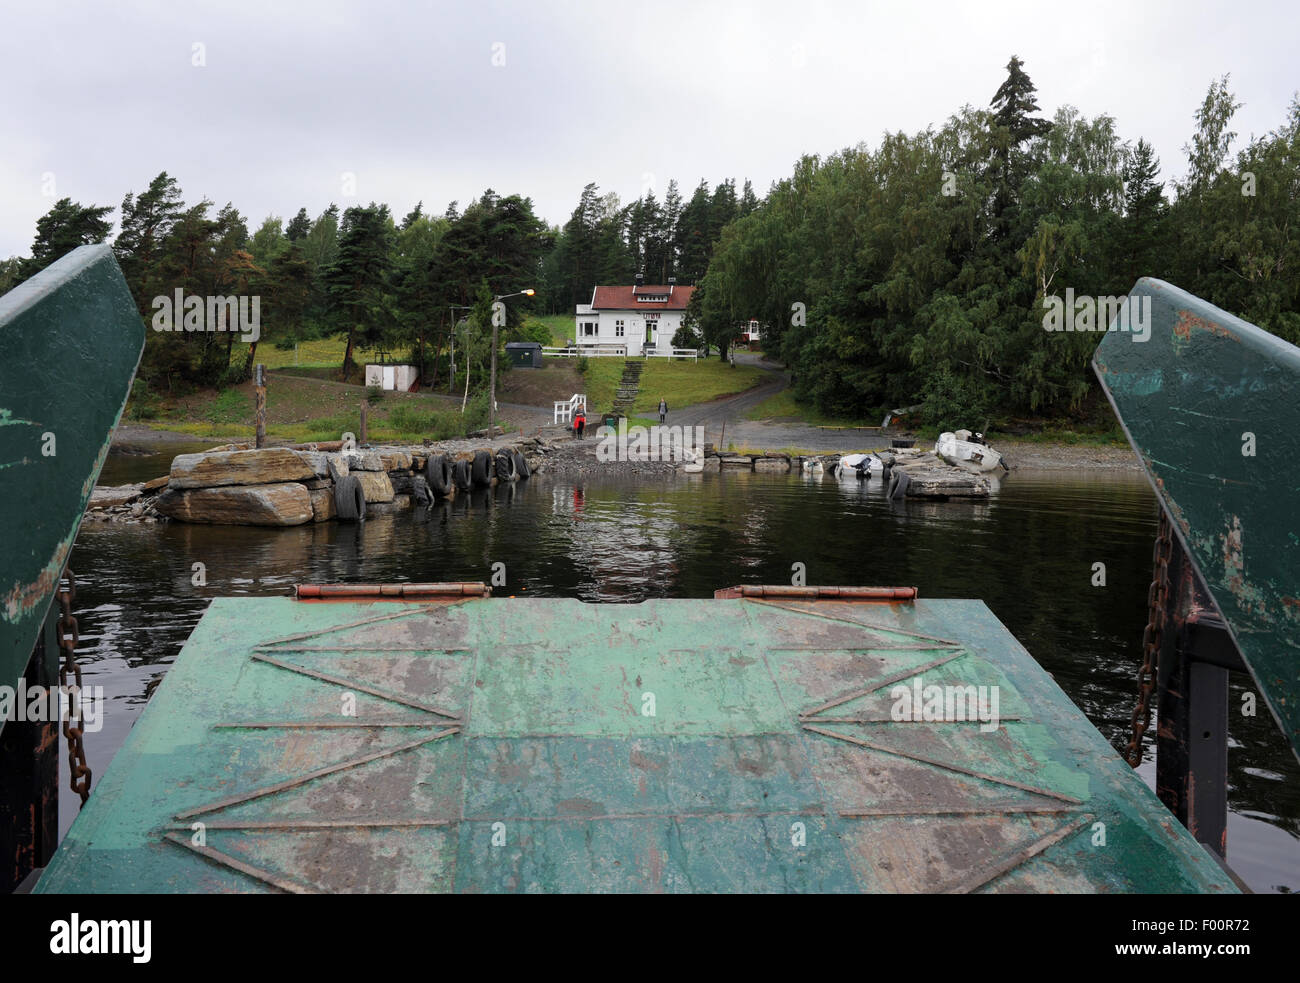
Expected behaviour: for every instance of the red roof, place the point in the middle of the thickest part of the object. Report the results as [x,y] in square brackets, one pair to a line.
[624,298]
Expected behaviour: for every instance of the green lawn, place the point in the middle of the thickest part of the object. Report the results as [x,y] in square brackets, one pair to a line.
[783,406]
[682,384]
[561,326]
[316,354]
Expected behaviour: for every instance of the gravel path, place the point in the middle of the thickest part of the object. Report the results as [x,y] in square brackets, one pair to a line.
[756,435]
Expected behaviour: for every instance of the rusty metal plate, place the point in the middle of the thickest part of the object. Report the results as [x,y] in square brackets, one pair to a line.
[512,745]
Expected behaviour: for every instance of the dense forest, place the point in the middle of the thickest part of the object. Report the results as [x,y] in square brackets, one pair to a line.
[915,272]
[910,272]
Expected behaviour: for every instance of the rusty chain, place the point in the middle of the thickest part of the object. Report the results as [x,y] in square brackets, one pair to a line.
[1152,637]
[79,771]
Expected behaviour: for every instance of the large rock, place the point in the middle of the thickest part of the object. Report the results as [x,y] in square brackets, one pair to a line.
[319,461]
[738,462]
[322,504]
[375,486]
[108,497]
[365,461]
[284,504]
[772,465]
[271,465]
[395,460]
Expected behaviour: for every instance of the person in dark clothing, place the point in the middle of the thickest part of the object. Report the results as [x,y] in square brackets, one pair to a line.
[663,409]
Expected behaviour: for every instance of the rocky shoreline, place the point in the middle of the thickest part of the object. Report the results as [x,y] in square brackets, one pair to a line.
[296,484]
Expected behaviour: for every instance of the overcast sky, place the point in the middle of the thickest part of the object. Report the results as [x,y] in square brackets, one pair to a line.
[438,101]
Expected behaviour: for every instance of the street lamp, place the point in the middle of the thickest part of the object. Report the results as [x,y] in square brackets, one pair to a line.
[492,381]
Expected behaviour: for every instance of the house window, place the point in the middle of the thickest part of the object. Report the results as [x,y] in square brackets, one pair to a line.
[588,329]
[618,329]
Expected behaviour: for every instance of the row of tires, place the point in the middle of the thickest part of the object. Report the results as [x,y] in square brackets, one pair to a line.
[440,476]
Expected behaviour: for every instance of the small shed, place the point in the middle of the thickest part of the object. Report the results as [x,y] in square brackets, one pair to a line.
[393,375]
[524,354]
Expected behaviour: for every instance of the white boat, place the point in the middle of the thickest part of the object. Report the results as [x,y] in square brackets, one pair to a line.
[859,466]
[813,465]
[692,460]
[960,450]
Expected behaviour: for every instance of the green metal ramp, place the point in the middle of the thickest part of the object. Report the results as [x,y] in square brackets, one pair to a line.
[71,338]
[1211,405]
[511,745]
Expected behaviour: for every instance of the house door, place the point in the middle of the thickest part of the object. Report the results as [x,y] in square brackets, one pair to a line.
[390,377]
[649,340]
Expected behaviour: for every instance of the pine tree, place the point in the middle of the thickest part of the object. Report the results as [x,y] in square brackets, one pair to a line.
[298,226]
[146,221]
[62,229]
[358,280]
[748,200]
[1014,125]
[1144,213]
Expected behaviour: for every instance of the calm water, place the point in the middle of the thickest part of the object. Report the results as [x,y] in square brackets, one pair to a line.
[1028,554]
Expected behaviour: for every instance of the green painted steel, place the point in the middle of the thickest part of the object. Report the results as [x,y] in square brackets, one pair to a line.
[513,745]
[70,342]
[1211,404]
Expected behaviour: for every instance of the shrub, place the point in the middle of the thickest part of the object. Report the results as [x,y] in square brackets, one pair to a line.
[374,393]
[953,402]
[686,338]
[144,401]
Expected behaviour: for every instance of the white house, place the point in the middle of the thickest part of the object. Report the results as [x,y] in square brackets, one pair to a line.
[641,317]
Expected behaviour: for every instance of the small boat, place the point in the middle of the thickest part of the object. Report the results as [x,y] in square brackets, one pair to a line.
[693,460]
[813,465]
[859,466]
[964,449]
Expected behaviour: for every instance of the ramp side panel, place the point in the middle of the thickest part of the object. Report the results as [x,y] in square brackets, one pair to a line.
[1211,405]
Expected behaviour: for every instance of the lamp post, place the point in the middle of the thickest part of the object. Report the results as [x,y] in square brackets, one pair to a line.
[492,380]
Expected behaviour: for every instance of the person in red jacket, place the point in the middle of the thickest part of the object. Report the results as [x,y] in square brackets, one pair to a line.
[579,424]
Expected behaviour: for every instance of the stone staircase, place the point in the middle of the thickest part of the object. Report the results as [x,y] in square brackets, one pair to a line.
[628,388]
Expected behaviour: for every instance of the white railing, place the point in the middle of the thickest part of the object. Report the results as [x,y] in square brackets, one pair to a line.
[592,351]
[690,353]
[565,408]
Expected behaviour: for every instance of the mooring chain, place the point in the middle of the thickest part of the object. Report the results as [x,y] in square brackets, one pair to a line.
[73,724]
[1157,596]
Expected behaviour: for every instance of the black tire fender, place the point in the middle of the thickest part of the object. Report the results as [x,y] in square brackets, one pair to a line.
[437,472]
[461,475]
[505,466]
[349,499]
[481,471]
[521,465]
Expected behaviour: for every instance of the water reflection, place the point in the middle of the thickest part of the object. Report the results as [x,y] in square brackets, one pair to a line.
[1027,552]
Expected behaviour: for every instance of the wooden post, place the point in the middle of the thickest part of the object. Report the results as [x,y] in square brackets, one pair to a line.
[492,383]
[365,409]
[259,391]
